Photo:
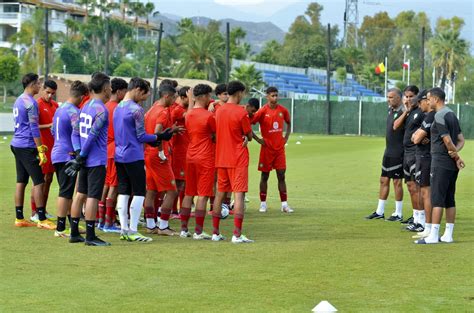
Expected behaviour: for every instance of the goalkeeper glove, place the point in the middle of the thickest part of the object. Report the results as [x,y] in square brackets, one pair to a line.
[165,135]
[72,167]
[42,154]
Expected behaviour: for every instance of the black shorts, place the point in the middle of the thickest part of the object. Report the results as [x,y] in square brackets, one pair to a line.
[65,182]
[409,167]
[27,165]
[91,181]
[131,178]
[443,187]
[392,167]
[422,172]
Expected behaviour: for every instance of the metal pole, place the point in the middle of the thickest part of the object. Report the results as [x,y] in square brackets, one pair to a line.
[458,109]
[292,113]
[157,62]
[409,69]
[227,53]
[434,76]
[404,61]
[106,65]
[328,86]
[46,43]
[386,75]
[360,117]
[422,68]
[454,95]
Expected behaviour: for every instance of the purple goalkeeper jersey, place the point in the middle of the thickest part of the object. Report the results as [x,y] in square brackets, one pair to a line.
[90,134]
[129,132]
[64,121]
[25,116]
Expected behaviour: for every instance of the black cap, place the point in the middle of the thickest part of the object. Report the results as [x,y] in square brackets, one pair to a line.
[422,95]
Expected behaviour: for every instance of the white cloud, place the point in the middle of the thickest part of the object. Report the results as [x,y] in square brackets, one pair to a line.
[239,2]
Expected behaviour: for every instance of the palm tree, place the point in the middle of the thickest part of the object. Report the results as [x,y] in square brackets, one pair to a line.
[202,51]
[449,53]
[249,75]
[88,5]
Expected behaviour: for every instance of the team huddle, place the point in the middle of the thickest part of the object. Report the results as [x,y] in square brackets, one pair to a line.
[423,139]
[111,157]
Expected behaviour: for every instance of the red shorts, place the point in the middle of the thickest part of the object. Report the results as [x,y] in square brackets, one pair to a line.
[111,179]
[179,167]
[271,160]
[48,167]
[233,179]
[200,180]
[159,176]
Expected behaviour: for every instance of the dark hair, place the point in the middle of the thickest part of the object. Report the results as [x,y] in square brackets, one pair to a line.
[412,88]
[183,91]
[221,88]
[50,84]
[98,82]
[137,82]
[254,102]
[201,89]
[422,95]
[166,90]
[170,82]
[438,93]
[28,79]
[78,89]
[234,87]
[271,89]
[118,84]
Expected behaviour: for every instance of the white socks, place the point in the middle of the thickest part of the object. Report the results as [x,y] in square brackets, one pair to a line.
[434,234]
[448,233]
[421,218]
[135,212]
[163,224]
[150,223]
[381,207]
[284,204]
[399,208]
[122,208]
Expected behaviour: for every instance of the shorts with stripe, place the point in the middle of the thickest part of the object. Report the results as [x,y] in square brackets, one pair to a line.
[409,167]
[392,167]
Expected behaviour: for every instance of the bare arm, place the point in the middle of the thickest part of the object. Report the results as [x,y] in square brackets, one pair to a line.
[460,143]
[288,131]
[43,126]
[418,136]
[400,121]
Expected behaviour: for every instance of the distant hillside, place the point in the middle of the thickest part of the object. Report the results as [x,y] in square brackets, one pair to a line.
[257,33]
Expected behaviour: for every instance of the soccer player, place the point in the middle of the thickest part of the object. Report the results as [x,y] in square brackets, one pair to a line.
[233,132]
[64,121]
[411,119]
[46,108]
[392,164]
[222,96]
[446,142]
[109,194]
[180,142]
[423,160]
[90,143]
[130,136]
[252,107]
[200,161]
[29,153]
[159,174]
[272,117]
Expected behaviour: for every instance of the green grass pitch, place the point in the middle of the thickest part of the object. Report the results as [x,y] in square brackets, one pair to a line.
[324,251]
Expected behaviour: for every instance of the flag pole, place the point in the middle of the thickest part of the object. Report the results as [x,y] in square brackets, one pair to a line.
[409,68]
[386,75]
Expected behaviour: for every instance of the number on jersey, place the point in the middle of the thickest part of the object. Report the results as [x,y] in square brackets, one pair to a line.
[85,124]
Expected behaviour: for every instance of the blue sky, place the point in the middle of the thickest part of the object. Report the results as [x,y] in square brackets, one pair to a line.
[283,12]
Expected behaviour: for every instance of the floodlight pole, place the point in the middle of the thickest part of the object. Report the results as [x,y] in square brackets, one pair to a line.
[157,63]
[46,43]
[227,52]
[422,51]
[106,65]
[328,82]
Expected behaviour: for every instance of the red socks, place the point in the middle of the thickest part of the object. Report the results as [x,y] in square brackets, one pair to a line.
[184,215]
[216,219]
[101,213]
[283,196]
[150,212]
[165,214]
[263,196]
[238,220]
[33,206]
[211,202]
[109,211]
[200,215]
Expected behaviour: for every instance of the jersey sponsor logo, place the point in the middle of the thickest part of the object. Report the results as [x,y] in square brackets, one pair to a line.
[275,125]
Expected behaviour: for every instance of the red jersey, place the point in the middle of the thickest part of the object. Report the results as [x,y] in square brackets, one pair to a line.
[271,125]
[111,105]
[84,100]
[201,125]
[46,112]
[158,114]
[180,141]
[233,124]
